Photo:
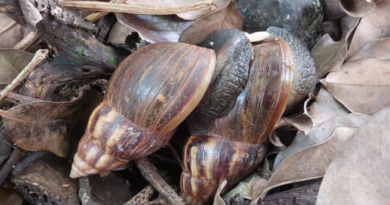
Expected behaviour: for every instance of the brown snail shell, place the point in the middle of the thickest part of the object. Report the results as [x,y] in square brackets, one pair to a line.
[235,145]
[149,95]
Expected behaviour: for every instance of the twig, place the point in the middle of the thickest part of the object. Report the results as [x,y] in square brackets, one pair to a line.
[7,27]
[93,17]
[176,155]
[29,39]
[142,196]
[136,8]
[38,57]
[85,192]
[150,173]
[20,99]
[27,160]
[4,172]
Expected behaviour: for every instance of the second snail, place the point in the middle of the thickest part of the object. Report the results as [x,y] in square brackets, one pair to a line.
[229,94]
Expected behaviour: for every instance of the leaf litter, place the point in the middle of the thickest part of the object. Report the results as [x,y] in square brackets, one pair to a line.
[341,133]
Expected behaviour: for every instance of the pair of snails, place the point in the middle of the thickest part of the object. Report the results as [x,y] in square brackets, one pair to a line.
[230,94]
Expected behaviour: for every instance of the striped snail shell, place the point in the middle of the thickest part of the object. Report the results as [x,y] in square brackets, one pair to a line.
[235,145]
[150,93]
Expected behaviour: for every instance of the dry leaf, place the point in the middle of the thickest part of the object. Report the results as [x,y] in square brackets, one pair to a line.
[155,28]
[219,4]
[332,9]
[48,125]
[319,134]
[217,197]
[379,49]
[329,54]
[360,173]
[308,164]
[357,8]
[119,33]
[228,17]
[300,121]
[324,108]
[11,63]
[10,32]
[190,15]
[244,188]
[372,28]
[361,89]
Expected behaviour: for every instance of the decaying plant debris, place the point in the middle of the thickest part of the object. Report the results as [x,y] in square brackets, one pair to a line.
[57,57]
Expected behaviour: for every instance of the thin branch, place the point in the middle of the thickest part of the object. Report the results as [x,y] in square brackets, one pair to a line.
[4,172]
[38,57]
[29,39]
[7,27]
[150,173]
[142,197]
[136,8]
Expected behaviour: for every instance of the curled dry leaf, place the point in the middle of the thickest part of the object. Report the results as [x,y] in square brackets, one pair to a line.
[372,28]
[228,17]
[360,89]
[325,107]
[49,125]
[360,173]
[319,134]
[332,9]
[300,121]
[307,164]
[217,197]
[119,33]
[11,63]
[10,32]
[329,54]
[357,8]
[155,28]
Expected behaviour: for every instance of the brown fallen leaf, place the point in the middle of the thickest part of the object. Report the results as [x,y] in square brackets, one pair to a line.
[324,108]
[307,164]
[332,9]
[372,28]
[11,63]
[10,32]
[300,121]
[49,125]
[360,89]
[329,54]
[228,17]
[357,8]
[360,173]
[193,15]
[319,134]
[378,49]
[217,197]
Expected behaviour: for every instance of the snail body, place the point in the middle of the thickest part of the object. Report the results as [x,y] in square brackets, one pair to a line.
[149,95]
[235,146]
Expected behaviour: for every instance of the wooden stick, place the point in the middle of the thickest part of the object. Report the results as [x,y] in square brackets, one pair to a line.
[29,39]
[150,173]
[4,172]
[38,57]
[136,8]
[142,197]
